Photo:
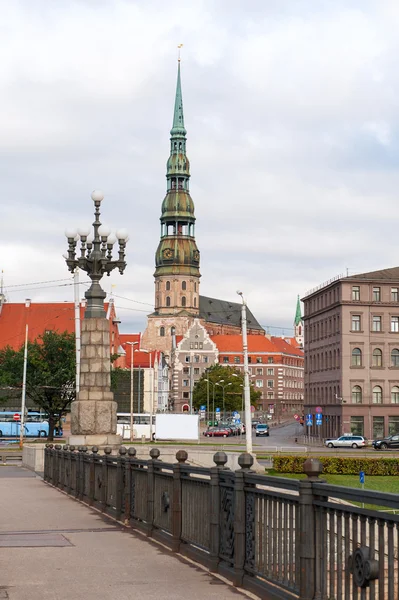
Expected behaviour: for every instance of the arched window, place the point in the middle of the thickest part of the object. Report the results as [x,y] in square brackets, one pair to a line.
[395,357]
[356,357]
[195,287]
[195,302]
[162,331]
[377,357]
[167,286]
[377,394]
[395,395]
[167,300]
[183,301]
[183,285]
[357,394]
[172,330]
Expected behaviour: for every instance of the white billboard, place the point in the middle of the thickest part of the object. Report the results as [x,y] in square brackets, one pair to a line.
[176,427]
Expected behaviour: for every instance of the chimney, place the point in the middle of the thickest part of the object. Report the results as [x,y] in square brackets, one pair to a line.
[27,302]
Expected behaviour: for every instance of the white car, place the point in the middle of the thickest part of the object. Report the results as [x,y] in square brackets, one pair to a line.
[347,441]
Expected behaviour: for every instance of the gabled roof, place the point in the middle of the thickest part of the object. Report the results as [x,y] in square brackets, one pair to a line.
[233,343]
[383,274]
[285,347]
[224,312]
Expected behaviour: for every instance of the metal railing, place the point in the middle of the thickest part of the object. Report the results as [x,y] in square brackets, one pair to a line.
[278,537]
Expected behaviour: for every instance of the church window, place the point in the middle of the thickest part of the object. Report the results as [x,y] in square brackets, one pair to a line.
[167,286]
[183,301]
[162,331]
[172,330]
[183,285]
[167,300]
[195,302]
[195,287]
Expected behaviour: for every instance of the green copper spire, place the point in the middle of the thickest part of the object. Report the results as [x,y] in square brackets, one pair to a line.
[178,117]
[298,315]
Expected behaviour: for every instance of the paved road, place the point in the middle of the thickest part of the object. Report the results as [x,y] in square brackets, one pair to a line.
[54,548]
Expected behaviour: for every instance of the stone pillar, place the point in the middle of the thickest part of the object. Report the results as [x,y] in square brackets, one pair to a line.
[93,413]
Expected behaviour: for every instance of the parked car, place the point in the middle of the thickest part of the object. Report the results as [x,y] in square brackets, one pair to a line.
[255,422]
[392,441]
[217,432]
[262,429]
[347,441]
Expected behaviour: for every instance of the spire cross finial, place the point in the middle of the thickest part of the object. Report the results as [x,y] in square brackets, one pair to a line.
[178,56]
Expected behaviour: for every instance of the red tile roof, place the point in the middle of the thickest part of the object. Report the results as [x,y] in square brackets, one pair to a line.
[140,359]
[233,343]
[286,347]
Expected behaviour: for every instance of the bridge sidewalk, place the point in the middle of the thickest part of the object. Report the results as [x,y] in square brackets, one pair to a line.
[54,548]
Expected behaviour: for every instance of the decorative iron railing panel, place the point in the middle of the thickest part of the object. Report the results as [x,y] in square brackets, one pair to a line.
[195,511]
[163,496]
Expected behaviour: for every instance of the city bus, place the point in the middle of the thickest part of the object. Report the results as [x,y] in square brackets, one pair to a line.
[141,425]
[35,425]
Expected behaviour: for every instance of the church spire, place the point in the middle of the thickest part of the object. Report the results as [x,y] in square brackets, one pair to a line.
[298,315]
[178,116]
[298,324]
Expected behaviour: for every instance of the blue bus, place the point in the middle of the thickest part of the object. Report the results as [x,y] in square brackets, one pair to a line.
[35,425]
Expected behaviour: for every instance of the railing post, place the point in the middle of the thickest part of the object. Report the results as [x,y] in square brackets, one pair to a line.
[104,487]
[119,498]
[78,472]
[154,453]
[46,463]
[128,485]
[92,475]
[307,531]
[83,473]
[245,461]
[70,454]
[220,459]
[181,457]
[58,455]
[51,474]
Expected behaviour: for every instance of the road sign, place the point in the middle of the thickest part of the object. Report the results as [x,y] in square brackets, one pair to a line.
[318,409]
[202,407]
[309,420]
[361,477]
[217,415]
[319,418]
[297,417]
[252,409]
[236,414]
[17,417]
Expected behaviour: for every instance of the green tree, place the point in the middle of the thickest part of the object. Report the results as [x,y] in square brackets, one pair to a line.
[50,373]
[233,383]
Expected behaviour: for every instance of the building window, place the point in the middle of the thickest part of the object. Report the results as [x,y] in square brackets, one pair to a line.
[395,324]
[259,383]
[377,357]
[187,359]
[225,359]
[270,371]
[162,331]
[195,287]
[200,345]
[259,371]
[377,394]
[270,383]
[196,371]
[167,286]
[376,326]
[357,425]
[356,292]
[237,360]
[195,302]
[356,357]
[185,382]
[183,301]
[205,359]
[196,358]
[186,370]
[376,294]
[395,395]
[355,322]
[249,359]
[378,427]
[395,294]
[172,330]
[357,394]
[270,359]
[183,285]
[393,425]
[395,358]
[167,300]
[258,359]
[185,395]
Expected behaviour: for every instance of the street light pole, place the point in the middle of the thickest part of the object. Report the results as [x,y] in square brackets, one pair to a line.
[23,399]
[131,344]
[223,388]
[247,397]
[151,390]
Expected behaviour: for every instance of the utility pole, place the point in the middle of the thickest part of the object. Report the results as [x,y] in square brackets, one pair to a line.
[77,327]
[23,399]
[247,396]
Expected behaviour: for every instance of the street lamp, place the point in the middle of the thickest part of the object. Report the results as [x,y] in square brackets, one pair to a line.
[96,256]
[247,397]
[209,382]
[223,388]
[131,344]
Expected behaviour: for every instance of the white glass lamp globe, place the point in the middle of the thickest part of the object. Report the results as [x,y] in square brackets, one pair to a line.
[122,234]
[104,231]
[97,196]
[83,231]
[111,239]
[71,233]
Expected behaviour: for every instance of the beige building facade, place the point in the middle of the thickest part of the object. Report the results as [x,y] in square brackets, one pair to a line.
[352,355]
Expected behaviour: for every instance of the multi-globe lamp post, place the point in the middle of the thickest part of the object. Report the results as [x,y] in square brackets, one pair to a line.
[96,256]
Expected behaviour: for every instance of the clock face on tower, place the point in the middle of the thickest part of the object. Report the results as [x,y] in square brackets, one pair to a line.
[167,253]
[196,255]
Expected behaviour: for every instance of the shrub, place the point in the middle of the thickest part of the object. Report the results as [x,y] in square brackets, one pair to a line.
[339,465]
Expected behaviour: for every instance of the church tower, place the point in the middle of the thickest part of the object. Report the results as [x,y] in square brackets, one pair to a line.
[298,324]
[177,258]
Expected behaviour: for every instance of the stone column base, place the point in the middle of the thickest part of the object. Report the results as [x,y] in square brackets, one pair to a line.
[99,439]
[93,417]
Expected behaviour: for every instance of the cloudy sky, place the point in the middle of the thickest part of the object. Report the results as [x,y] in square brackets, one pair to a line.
[291,108]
